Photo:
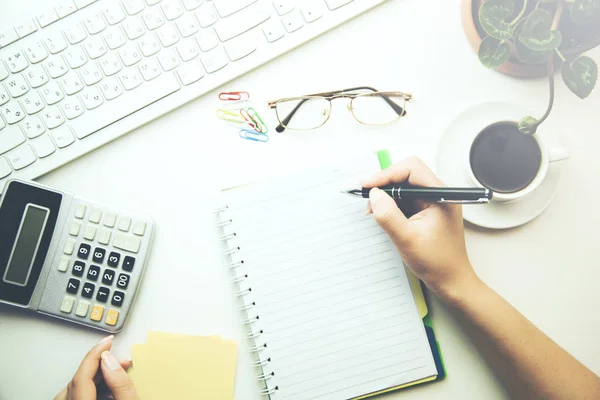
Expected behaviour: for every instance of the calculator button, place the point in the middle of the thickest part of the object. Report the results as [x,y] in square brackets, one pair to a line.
[104,236]
[93,273]
[102,295]
[99,255]
[127,243]
[82,308]
[90,232]
[84,251]
[108,277]
[139,228]
[69,246]
[128,263]
[67,304]
[73,286]
[109,219]
[88,290]
[117,299]
[96,314]
[123,281]
[112,316]
[124,223]
[95,215]
[63,264]
[75,227]
[80,211]
[113,259]
[78,268]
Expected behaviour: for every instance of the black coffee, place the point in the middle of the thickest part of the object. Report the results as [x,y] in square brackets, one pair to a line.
[503,159]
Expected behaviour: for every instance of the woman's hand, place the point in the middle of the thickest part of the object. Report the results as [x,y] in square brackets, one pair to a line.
[100,373]
[432,240]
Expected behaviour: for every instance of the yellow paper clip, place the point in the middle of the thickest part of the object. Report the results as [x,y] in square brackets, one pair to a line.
[230,116]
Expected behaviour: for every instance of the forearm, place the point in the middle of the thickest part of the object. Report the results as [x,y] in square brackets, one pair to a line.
[528,362]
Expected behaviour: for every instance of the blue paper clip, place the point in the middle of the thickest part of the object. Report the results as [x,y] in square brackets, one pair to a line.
[253,135]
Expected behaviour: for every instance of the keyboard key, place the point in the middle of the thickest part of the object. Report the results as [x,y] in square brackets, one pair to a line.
[124,223]
[93,273]
[228,7]
[133,6]
[172,9]
[99,255]
[95,47]
[214,60]
[66,306]
[83,3]
[36,76]
[4,97]
[110,64]
[75,34]
[110,87]
[192,4]
[109,219]
[13,112]
[80,211]
[96,314]
[84,251]
[117,299]
[69,247]
[63,264]
[10,138]
[130,78]
[16,62]
[167,35]
[283,6]
[108,277]
[89,234]
[240,47]
[334,4]
[127,243]
[88,290]
[168,59]
[187,25]
[52,117]
[56,42]
[130,54]
[152,2]
[47,17]
[75,56]
[114,37]
[311,13]
[82,308]
[3,71]
[72,107]
[102,295]
[153,18]
[56,67]
[189,73]
[25,28]
[94,24]
[293,21]
[128,263]
[104,236]
[71,83]
[91,74]
[52,93]
[149,44]
[113,259]
[112,316]
[78,268]
[187,49]
[207,40]
[123,281]
[8,36]
[73,286]
[134,28]
[149,69]
[91,98]
[241,22]
[206,15]
[17,85]
[273,30]
[36,53]
[43,146]
[95,215]
[5,169]
[113,13]
[65,8]
[75,228]
[21,157]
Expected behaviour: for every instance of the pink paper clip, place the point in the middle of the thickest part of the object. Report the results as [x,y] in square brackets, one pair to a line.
[250,120]
[234,96]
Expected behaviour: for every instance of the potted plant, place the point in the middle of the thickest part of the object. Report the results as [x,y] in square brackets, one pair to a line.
[526,38]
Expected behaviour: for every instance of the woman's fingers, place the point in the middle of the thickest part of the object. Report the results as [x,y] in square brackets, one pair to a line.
[82,385]
[116,379]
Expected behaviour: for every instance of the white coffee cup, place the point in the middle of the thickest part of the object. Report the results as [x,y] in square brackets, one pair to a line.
[548,154]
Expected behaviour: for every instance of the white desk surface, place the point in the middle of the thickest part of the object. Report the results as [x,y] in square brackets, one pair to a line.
[173,167]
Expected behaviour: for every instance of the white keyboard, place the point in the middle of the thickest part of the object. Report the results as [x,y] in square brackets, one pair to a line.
[82,73]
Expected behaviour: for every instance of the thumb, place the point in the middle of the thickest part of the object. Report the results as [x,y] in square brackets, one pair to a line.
[116,379]
[388,215]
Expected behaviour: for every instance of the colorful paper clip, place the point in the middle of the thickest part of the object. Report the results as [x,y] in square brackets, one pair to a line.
[229,116]
[257,120]
[253,136]
[234,96]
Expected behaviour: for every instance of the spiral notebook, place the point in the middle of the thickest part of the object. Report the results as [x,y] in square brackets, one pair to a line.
[330,310]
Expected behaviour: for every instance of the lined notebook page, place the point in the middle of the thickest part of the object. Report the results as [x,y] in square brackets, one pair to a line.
[333,299]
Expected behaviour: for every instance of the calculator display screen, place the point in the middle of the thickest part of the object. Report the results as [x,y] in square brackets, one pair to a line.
[26,245]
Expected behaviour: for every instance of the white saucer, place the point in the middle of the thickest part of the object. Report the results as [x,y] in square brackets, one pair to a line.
[452,167]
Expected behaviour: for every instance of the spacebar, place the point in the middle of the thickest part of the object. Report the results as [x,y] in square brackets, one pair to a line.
[126,104]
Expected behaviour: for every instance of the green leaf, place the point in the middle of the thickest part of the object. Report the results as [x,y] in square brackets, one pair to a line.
[493,15]
[528,125]
[580,75]
[537,34]
[525,54]
[493,53]
[585,12]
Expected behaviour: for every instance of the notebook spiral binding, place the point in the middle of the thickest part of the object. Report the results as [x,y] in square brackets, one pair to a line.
[244,292]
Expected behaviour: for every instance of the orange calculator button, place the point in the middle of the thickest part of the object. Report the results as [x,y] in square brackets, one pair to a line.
[96,314]
[111,317]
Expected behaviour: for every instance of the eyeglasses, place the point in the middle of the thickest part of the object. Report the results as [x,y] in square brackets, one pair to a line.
[367,105]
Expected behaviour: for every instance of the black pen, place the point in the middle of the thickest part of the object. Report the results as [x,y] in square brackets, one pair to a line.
[452,195]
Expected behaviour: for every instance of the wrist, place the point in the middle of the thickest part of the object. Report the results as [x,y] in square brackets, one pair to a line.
[459,290]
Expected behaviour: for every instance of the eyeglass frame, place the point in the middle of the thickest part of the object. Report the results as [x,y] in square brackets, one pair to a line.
[338,94]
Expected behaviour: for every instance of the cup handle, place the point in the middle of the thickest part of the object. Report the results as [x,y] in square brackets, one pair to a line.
[557,154]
